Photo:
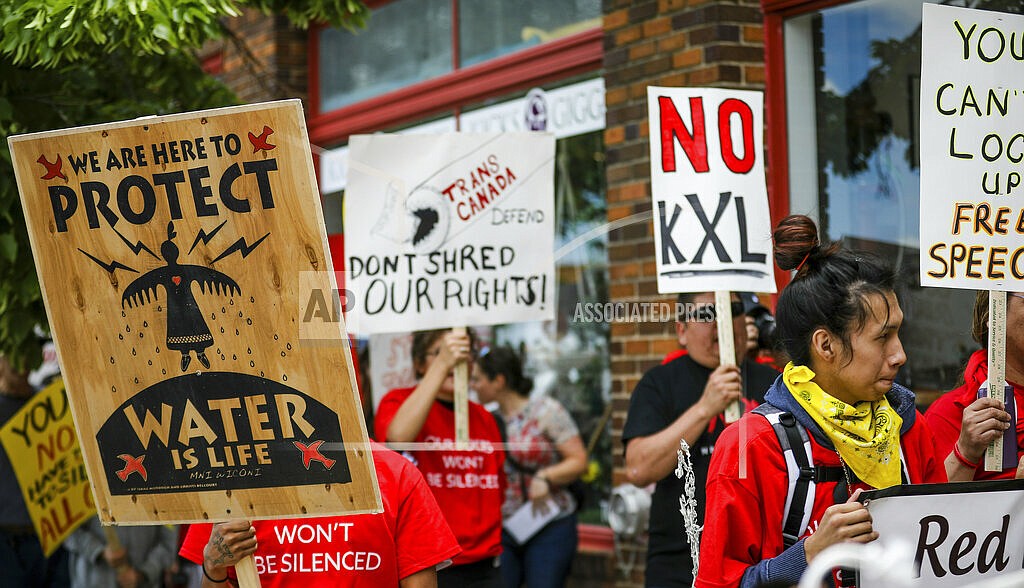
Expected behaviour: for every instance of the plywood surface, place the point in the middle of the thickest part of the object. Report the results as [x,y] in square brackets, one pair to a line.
[170,252]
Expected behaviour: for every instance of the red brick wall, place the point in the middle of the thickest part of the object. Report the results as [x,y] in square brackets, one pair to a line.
[657,43]
[264,58]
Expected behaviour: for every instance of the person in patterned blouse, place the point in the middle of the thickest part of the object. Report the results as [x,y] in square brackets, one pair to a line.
[544,454]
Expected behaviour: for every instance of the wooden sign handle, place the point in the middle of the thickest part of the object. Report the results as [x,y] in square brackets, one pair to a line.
[245,569]
[461,399]
[114,542]
[996,369]
[726,348]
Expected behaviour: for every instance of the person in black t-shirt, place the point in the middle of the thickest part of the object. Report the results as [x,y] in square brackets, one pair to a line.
[685,399]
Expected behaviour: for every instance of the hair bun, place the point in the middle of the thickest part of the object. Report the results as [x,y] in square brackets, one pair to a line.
[796,239]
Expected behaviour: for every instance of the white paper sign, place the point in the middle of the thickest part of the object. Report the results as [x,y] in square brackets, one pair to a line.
[972,118]
[956,533]
[448,230]
[712,229]
[530,518]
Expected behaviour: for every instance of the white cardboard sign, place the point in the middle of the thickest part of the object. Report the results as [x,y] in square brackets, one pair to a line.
[448,230]
[972,118]
[957,533]
[712,228]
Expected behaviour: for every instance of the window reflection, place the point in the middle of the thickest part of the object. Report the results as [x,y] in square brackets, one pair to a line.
[853,77]
[404,42]
[491,28]
[410,41]
[868,60]
[569,360]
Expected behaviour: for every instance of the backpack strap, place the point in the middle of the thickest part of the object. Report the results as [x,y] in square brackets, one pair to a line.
[802,475]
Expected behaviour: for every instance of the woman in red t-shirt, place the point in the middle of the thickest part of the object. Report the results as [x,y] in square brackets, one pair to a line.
[964,424]
[468,485]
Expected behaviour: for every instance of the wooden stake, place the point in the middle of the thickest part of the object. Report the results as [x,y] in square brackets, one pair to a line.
[461,400]
[114,542]
[996,369]
[245,569]
[726,349]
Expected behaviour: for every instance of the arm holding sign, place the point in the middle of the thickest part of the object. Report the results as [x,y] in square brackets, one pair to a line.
[229,542]
[426,578]
[681,412]
[742,542]
[984,421]
[126,556]
[650,458]
[401,546]
[964,425]
[434,368]
[839,319]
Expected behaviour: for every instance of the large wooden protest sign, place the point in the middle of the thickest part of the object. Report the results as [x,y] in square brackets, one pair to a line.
[972,119]
[957,533]
[42,446]
[169,251]
[712,229]
[448,230]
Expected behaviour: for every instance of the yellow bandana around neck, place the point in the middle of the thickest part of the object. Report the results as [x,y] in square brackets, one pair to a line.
[866,434]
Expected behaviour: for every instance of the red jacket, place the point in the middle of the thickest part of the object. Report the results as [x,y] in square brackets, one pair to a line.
[946,414]
[743,524]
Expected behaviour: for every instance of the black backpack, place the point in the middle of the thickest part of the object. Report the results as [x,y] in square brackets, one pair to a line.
[796,447]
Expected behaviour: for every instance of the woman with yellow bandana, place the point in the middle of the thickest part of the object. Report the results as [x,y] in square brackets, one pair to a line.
[838,321]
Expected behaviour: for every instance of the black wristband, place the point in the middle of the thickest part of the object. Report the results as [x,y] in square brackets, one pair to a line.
[214,580]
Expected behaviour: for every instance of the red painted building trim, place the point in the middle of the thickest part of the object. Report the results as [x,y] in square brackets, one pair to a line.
[560,59]
[595,539]
[794,7]
[313,77]
[775,123]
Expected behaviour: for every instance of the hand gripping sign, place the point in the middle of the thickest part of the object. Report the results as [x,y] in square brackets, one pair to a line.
[168,251]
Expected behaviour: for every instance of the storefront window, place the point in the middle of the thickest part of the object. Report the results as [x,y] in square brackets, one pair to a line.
[491,28]
[405,42]
[569,360]
[410,41]
[852,86]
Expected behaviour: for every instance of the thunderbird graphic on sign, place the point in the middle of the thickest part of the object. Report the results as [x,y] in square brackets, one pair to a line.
[53,170]
[132,465]
[187,331]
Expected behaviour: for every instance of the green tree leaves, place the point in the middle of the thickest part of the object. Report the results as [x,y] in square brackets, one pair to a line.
[67,63]
[48,33]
